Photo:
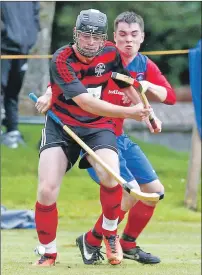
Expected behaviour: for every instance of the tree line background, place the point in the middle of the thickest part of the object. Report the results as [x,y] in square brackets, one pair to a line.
[168,26]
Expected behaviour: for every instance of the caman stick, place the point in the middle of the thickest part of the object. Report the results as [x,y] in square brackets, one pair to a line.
[139,88]
[128,186]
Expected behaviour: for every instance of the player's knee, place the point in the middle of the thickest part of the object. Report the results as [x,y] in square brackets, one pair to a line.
[161,190]
[153,187]
[104,177]
[101,173]
[47,190]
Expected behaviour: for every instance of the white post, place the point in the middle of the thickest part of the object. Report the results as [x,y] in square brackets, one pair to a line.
[37,75]
[194,170]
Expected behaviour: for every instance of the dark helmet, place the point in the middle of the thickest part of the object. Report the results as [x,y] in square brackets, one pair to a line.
[93,22]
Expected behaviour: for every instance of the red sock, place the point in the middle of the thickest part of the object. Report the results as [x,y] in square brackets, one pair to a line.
[94,236]
[110,199]
[121,215]
[138,217]
[46,218]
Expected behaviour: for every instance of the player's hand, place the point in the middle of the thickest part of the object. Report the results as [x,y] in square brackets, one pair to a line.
[145,85]
[139,113]
[158,123]
[43,103]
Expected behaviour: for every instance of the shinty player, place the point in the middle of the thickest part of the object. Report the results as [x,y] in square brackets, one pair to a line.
[134,165]
[86,64]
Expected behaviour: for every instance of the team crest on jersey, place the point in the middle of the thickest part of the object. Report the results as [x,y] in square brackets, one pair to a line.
[99,69]
[140,76]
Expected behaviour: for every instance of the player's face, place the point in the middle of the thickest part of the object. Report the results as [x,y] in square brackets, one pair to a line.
[128,38]
[90,43]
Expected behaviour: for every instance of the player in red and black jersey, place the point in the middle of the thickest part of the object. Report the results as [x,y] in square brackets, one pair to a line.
[77,72]
[134,165]
[72,76]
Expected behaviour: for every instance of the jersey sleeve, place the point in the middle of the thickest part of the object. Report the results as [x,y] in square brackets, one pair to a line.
[119,68]
[155,76]
[64,76]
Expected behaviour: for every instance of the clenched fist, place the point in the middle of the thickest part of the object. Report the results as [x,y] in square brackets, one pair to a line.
[138,112]
[44,101]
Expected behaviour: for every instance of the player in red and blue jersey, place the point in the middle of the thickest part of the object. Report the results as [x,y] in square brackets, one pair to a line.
[134,165]
[78,71]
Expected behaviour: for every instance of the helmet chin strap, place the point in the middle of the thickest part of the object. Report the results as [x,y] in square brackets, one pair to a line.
[85,53]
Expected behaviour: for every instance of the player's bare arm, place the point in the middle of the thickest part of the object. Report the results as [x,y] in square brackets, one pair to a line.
[135,99]
[159,92]
[102,108]
[158,86]
[97,107]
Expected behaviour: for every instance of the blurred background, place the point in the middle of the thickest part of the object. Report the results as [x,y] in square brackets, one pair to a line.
[168,26]
[175,153]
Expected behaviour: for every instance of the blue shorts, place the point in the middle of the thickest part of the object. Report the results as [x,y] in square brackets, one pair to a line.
[133,163]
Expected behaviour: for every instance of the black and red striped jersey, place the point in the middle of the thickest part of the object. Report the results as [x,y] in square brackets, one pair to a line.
[70,77]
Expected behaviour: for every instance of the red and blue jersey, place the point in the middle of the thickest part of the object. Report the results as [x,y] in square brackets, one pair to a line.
[141,68]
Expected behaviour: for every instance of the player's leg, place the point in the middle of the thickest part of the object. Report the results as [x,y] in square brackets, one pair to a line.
[138,212]
[13,137]
[152,186]
[141,213]
[6,65]
[55,160]
[110,198]
[94,236]
[104,143]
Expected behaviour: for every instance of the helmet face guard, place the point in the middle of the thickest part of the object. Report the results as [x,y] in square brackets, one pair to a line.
[90,25]
[99,42]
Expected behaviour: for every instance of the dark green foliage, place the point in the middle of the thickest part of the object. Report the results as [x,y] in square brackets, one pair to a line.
[168,26]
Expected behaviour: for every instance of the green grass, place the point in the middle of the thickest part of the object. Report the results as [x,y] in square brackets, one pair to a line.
[173,233]
[177,244]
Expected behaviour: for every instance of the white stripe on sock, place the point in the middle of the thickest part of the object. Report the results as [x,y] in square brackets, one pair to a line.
[110,225]
[50,247]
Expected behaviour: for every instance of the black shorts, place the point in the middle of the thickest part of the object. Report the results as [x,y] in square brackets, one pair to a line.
[54,136]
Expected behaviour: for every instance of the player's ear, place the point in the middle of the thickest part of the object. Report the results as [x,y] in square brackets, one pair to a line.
[114,33]
[142,37]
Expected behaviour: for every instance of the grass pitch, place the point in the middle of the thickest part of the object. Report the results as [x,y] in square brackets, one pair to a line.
[173,234]
[177,243]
